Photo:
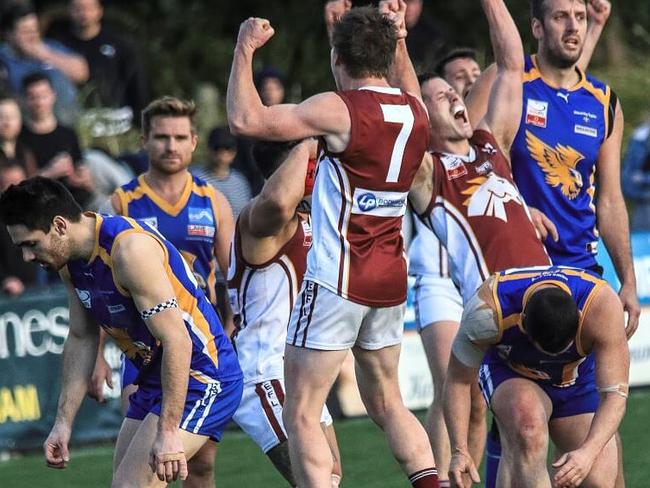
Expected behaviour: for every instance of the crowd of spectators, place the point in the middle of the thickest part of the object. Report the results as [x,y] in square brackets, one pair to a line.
[79,71]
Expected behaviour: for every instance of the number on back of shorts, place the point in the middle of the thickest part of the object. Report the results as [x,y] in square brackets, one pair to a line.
[400,114]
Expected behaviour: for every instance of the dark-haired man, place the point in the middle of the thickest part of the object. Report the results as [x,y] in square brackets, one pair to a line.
[460,68]
[354,290]
[550,342]
[124,276]
[268,261]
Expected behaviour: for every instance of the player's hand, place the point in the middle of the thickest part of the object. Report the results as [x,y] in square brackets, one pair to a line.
[101,374]
[572,468]
[630,302]
[543,225]
[167,457]
[55,447]
[333,11]
[462,463]
[395,10]
[598,11]
[254,33]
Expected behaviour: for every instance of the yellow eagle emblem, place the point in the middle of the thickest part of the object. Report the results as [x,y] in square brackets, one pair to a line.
[558,164]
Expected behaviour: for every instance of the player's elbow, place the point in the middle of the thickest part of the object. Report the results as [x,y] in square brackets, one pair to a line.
[243,124]
[280,205]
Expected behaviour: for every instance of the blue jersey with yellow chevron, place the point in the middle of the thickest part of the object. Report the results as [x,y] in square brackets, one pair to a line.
[113,308]
[511,289]
[190,224]
[554,155]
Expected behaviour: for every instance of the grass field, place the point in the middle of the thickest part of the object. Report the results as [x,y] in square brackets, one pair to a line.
[366,460]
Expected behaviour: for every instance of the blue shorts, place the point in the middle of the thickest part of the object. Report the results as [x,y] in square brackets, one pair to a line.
[128,372]
[208,406]
[581,397]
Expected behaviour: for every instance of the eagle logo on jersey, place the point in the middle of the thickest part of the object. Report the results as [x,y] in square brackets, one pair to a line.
[129,347]
[559,164]
[489,195]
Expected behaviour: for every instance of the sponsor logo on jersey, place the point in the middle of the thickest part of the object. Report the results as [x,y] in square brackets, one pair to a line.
[536,113]
[558,163]
[586,116]
[564,96]
[306,231]
[200,216]
[370,201]
[585,131]
[116,308]
[484,168]
[200,230]
[84,297]
[489,195]
[454,167]
[488,148]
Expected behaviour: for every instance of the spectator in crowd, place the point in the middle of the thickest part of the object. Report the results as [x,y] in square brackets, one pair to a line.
[25,52]
[636,176]
[116,76]
[270,85]
[219,173]
[15,274]
[12,150]
[460,69]
[55,146]
[424,38]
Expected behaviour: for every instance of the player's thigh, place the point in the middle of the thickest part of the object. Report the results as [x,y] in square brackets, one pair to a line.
[127,431]
[569,433]
[522,410]
[134,470]
[376,372]
[437,339]
[309,376]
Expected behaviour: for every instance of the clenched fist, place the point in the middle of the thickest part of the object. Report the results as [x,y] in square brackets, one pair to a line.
[254,33]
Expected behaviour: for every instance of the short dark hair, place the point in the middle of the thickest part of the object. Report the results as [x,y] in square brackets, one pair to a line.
[13,13]
[33,78]
[35,202]
[456,53]
[269,155]
[168,107]
[365,42]
[538,9]
[221,138]
[426,76]
[551,318]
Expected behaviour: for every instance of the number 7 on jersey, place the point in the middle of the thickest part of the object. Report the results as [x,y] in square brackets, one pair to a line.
[400,114]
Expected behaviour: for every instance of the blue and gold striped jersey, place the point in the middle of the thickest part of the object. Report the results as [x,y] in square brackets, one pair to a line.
[554,156]
[511,289]
[190,224]
[113,308]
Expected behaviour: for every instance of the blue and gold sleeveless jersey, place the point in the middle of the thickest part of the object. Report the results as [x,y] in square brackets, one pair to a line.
[511,289]
[553,159]
[190,225]
[113,308]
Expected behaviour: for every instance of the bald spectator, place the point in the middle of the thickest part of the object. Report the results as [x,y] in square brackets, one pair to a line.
[25,52]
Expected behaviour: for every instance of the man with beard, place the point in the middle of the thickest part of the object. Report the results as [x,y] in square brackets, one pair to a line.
[124,276]
[568,144]
[189,212]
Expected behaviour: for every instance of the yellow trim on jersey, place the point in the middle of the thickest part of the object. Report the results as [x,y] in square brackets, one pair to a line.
[122,199]
[189,304]
[144,189]
[498,311]
[583,312]
[533,288]
[581,83]
[98,225]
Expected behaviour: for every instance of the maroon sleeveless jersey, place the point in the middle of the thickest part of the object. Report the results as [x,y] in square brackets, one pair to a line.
[360,196]
[479,215]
